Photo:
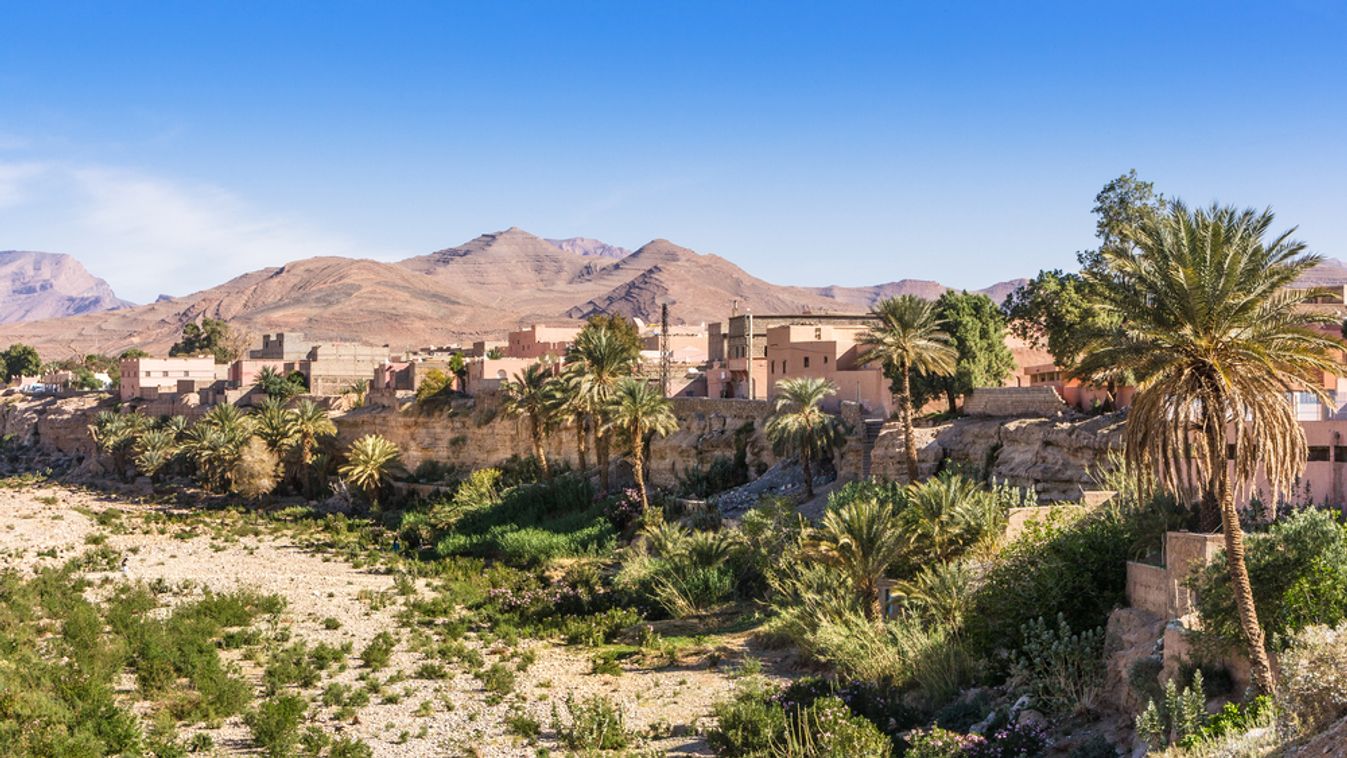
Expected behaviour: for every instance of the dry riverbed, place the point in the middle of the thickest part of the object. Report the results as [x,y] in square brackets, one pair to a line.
[330,601]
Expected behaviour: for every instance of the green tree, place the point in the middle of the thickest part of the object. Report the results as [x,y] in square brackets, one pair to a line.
[370,463]
[636,411]
[909,337]
[862,539]
[21,360]
[800,427]
[573,406]
[311,424]
[132,352]
[211,336]
[531,395]
[115,434]
[977,330]
[154,451]
[1212,336]
[1055,310]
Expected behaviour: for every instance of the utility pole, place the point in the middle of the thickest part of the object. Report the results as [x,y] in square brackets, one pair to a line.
[752,388]
[665,354]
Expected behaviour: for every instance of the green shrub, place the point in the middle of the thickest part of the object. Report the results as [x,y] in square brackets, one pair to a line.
[1073,568]
[827,729]
[1313,690]
[1298,570]
[378,652]
[598,628]
[594,723]
[350,747]
[520,724]
[275,725]
[1178,718]
[1062,671]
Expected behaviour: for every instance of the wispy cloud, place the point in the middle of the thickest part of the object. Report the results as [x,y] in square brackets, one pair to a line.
[146,234]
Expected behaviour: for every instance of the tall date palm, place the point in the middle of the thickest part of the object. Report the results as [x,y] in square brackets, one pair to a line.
[799,426]
[1214,338]
[636,410]
[908,337]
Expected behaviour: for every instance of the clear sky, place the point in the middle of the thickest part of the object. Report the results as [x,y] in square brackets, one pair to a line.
[172,145]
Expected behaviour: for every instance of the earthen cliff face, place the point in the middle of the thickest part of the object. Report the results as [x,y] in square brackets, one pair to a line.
[1056,456]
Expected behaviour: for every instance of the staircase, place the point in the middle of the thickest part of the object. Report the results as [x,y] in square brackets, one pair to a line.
[873,426]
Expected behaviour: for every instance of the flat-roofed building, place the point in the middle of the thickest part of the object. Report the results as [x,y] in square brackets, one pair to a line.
[147,378]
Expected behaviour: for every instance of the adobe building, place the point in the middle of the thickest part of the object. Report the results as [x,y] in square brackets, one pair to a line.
[541,341]
[832,353]
[148,378]
[732,373]
[329,367]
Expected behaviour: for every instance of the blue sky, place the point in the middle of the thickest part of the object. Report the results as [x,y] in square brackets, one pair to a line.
[172,145]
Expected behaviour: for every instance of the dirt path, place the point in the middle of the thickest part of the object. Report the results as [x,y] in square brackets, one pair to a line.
[330,601]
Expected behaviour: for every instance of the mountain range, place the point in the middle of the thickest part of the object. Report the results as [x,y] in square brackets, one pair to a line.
[480,289]
[35,286]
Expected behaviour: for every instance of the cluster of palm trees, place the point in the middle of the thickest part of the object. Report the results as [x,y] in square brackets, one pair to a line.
[1202,318]
[598,393]
[213,447]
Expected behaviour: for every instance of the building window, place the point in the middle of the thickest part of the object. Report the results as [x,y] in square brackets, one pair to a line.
[825,360]
[806,361]
[818,333]
[773,367]
[1339,453]
[1318,453]
[783,367]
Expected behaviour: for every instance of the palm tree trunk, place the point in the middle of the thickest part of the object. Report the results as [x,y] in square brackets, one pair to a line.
[909,436]
[951,398]
[539,452]
[601,453]
[1260,668]
[581,443]
[873,607]
[638,469]
[808,467]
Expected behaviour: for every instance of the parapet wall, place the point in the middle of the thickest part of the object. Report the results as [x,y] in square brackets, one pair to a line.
[1010,402]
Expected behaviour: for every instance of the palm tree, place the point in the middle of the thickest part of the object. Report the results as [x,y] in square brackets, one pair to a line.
[531,395]
[603,359]
[115,435]
[571,402]
[154,450]
[276,425]
[635,411]
[1214,339]
[370,462]
[909,338]
[863,539]
[311,423]
[799,426]
[944,515]
[216,441]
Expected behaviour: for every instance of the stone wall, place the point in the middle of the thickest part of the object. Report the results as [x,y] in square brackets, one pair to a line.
[54,425]
[1009,402]
[475,433]
[1056,456]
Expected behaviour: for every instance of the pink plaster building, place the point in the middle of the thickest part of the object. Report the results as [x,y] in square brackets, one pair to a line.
[146,378]
[539,341]
[830,352]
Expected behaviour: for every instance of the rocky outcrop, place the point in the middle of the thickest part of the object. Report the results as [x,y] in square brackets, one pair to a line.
[58,425]
[1056,456]
[1133,644]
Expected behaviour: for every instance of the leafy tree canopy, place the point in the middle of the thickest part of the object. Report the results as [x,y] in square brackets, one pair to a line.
[21,360]
[976,327]
[1054,309]
[621,327]
[210,336]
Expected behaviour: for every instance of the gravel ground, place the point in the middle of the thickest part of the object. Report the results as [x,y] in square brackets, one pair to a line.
[41,525]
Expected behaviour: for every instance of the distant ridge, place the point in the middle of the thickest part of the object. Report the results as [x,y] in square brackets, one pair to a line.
[36,286]
[482,288]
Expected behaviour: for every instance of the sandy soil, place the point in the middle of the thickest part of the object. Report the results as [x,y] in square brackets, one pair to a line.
[47,524]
